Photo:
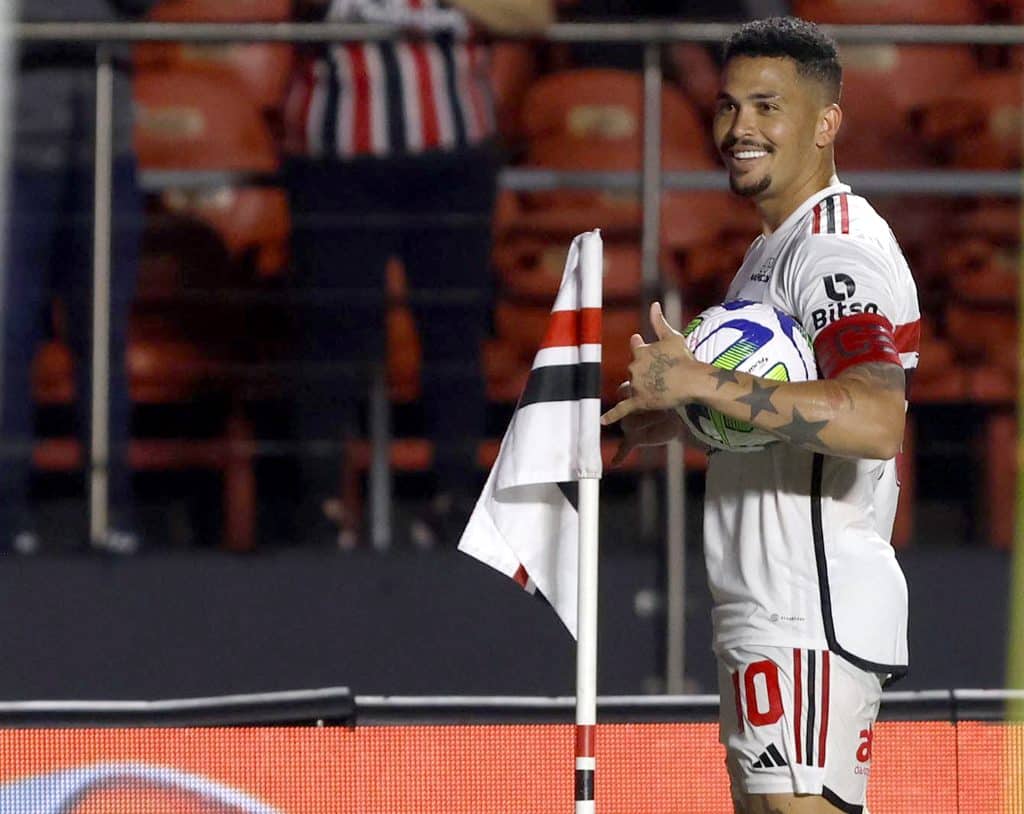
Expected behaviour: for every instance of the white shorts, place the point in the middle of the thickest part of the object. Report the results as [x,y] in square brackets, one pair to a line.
[797,722]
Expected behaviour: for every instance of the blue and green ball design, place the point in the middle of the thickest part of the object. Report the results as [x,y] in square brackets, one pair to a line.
[749,337]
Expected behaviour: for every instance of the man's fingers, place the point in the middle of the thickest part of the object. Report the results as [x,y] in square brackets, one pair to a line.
[622,452]
[625,390]
[636,341]
[661,327]
[618,412]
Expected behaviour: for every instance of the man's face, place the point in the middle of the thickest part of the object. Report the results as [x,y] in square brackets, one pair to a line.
[766,118]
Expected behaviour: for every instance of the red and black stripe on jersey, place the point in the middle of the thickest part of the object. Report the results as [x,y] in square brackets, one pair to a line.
[832,216]
[386,98]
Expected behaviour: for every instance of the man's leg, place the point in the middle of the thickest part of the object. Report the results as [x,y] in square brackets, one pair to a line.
[32,218]
[341,244]
[448,263]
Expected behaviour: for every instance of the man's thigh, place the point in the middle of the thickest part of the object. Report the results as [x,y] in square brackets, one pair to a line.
[786,804]
[797,728]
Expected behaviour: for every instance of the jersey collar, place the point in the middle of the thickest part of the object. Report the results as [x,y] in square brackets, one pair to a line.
[834,187]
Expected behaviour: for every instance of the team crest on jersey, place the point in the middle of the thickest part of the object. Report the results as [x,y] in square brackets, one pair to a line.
[764,273]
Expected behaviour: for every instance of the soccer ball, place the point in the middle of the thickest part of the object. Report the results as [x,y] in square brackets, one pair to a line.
[754,338]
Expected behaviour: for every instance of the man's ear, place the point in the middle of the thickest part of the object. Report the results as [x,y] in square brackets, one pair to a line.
[828,125]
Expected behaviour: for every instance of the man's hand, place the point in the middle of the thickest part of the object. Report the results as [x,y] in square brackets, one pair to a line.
[646,428]
[658,372]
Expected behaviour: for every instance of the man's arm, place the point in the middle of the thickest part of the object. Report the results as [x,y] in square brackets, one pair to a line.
[858,414]
[509,16]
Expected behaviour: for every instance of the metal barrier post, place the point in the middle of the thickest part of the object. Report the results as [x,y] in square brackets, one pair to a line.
[650,192]
[380,460]
[99,447]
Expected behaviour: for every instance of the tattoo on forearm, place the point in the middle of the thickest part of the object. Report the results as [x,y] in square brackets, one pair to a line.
[655,376]
[882,374]
[723,377]
[759,399]
[801,431]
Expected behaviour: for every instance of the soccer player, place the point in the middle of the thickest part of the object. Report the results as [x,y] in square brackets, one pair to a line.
[810,605]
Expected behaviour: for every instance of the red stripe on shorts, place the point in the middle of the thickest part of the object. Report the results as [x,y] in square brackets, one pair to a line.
[798,692]
[823,732]
[736,698]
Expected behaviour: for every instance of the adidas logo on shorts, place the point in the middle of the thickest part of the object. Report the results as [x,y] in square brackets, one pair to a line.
[770,758]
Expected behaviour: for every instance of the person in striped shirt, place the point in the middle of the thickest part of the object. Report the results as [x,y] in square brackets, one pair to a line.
[810,604]
[391,154]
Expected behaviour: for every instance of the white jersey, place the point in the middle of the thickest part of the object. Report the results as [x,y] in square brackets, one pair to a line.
[797,543]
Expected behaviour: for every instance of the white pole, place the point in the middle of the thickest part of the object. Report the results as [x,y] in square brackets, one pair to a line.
[591,282]
[675,542]
[586,646]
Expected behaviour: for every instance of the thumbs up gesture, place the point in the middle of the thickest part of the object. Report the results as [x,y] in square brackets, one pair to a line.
[658,372]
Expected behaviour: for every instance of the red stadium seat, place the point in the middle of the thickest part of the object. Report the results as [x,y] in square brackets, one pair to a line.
[252,221]
[513,68]
[531,269]
[160,371]
[217,11]
[999,497]
[882,86]
[950,12]
[200,119]
[261,68]
[975,124]
[404,349]
[605,106]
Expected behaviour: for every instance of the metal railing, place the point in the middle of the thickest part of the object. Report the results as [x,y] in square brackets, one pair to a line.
[338,706]
[650,182]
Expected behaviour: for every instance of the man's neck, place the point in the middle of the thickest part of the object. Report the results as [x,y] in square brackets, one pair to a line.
[775,210]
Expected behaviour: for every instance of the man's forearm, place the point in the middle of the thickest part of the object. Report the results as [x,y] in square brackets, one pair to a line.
[860,414]
[509,16]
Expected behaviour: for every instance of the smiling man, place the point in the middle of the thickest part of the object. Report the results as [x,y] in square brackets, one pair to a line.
[810,605]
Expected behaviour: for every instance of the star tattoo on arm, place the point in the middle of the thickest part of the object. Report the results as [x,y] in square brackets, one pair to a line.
[759,399]
[801,431]
[723,377]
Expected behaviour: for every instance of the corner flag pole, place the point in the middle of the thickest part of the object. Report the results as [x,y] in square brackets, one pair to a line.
[591,270]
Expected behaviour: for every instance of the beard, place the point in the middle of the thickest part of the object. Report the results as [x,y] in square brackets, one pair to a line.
[750,190]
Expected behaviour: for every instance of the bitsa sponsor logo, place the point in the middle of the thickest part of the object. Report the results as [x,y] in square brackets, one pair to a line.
[840,288]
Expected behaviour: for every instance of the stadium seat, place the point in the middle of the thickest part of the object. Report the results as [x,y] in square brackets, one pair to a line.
[261,68]
[976,123]
[160,371]
[985,336]
[217,11]
[999,497]
[200,119]
[404,350]
[513,68]
[950,12]
[253,222]
[882,86]
[531,269]
[605,106]
[505,372]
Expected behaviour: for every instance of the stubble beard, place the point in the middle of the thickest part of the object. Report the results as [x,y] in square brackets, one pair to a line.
[751,190]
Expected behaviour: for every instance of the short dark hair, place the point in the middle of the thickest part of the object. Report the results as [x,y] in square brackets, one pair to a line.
[814,52]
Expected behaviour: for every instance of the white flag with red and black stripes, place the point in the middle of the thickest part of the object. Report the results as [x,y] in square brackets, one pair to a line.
[525,523]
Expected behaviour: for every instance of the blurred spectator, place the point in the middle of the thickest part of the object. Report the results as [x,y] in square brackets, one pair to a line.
[392,154]
[49,253]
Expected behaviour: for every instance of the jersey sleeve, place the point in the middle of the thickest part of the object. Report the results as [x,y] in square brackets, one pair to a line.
[842,293]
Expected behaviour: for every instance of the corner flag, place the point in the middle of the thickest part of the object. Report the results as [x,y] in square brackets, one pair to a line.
[526,523]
